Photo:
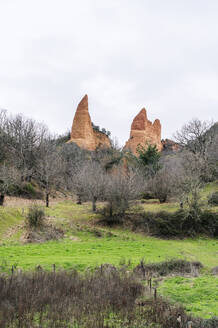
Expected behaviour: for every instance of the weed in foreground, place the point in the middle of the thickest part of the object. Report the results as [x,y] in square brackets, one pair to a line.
[99,299]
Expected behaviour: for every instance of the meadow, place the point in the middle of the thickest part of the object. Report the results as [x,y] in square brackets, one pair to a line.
[86,244]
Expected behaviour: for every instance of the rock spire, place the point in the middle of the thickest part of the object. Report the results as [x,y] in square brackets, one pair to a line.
[82,132]
[144,132]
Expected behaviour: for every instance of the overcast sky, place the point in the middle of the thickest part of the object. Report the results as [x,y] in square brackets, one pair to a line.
[125,54]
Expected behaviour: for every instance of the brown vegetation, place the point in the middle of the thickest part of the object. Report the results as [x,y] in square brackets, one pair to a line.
[105,298]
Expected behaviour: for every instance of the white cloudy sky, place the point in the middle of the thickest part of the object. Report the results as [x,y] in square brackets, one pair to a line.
[125,54]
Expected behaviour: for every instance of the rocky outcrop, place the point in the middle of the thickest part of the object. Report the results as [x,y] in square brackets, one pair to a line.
[144,132]
[82,132]
[170,146]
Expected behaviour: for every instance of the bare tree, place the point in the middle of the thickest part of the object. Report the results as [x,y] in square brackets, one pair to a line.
[212,154]
[3,144]
[122,187]
[89,182]
[190,179]
[161,185]
[92,182]
[50,169]
[200,138]
[24,139]
[194,136]
[73,159]
[9,176]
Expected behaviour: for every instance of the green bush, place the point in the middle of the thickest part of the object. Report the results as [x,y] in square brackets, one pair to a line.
[147,195]
[35,217]
[213,199]
[25,189]
[179,224]
[178,266]
[114,211]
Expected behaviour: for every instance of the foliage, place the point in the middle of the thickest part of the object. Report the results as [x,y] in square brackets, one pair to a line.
[180,224]
[173,266]
[149,157]
[35,216]
[103,130]
[147,195]
[109,158]
[62,139]
[27,190]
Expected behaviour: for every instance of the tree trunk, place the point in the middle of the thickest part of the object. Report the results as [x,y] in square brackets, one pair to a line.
[111,209]
[29,178]
[94,204]
[2,198]
[47,199]
[79,201]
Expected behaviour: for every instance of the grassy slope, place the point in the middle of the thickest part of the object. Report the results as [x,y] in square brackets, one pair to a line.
[91,251]
[114,245]
[9,217]
[199,295]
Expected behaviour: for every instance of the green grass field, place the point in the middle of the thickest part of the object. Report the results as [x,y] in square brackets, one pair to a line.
[199,295]
[87,245]
[91,251]
[9,217]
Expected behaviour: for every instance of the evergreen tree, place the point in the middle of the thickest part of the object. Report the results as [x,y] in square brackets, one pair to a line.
[149,158]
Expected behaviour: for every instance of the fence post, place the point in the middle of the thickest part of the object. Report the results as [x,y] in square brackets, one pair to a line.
[155,293]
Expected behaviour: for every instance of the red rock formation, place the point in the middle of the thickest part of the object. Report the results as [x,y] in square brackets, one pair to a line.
[82,132]
[101,140]
[144,132]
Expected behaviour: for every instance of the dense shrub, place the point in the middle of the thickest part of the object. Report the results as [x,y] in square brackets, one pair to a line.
[26,189]
[178,224]
[64,299]
[147,195]
[35,216]
[213,199]
[178,266]
[114,212]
